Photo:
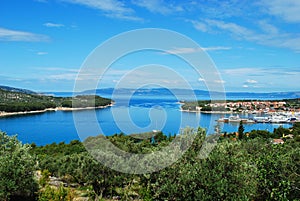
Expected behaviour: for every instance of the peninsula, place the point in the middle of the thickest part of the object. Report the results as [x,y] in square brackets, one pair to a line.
[18,102]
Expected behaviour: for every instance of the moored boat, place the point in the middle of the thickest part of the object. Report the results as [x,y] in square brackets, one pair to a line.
[235,119]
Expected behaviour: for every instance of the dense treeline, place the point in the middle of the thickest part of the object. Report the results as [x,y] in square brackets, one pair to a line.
[17,168]
[295,103]
[203,104]
[250,168]
[82,101]
[21,102]
[28,106]
[278,133]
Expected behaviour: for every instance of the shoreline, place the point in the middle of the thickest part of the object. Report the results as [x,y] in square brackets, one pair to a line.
[230,112]
[65,109]
[209,112]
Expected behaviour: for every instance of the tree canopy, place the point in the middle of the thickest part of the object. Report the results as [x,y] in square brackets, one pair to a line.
[17,168]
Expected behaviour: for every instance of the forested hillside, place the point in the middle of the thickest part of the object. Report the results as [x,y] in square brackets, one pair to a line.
[13,101]
[251,168]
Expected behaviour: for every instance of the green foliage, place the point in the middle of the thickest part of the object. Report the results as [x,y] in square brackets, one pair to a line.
[50,155]
[252,169]
[21,102]
[16,169]
[160,137]
[45,178]
[293,103]
[241,130]
[225,175]
[280,131]
[56,194]
[279,167]
[203,104]
[260,134]
[105,181]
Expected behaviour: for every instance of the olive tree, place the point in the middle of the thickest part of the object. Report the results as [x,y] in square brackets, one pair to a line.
[16,169]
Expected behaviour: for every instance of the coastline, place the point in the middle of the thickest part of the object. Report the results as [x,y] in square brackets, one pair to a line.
[209,112]
[222,112]
[65,109]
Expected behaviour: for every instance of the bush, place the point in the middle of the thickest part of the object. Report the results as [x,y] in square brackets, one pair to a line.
[17,168]
[56,194]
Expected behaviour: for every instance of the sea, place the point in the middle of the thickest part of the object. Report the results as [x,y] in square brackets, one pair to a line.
[137,114]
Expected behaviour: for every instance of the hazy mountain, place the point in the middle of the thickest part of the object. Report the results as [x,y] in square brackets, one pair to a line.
[107,92]
[13,89]
[163,91]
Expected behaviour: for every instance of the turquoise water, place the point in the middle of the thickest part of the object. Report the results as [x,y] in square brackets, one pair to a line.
[145,114]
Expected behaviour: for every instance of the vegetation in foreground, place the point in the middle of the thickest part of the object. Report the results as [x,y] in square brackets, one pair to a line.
[247,168]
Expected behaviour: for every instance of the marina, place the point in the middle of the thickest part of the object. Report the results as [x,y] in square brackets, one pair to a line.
[276,118]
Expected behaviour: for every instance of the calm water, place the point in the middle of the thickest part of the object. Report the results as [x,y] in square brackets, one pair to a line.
[143,114]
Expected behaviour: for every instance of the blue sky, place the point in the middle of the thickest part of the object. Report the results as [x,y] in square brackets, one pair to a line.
[255,45]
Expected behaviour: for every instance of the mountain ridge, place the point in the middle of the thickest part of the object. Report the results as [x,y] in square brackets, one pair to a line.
[14,89]
[163,91]
[159,91]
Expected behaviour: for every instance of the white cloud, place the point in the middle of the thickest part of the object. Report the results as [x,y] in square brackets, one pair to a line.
[200,26]
[13,35]
[65,76]
[49,24]
[57,69]
[249,81]
[260,72]
[183,50]
[189,50]
[105,5]
[267,35]
[232,28]
[243,71]
[220,81]
[111,8]
[216,48]
[217,8]
[201,79]
[42,53]
[288,10]
[274,79]
[267,27]
[158,6]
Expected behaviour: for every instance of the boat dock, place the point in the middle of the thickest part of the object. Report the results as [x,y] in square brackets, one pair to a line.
[276,118]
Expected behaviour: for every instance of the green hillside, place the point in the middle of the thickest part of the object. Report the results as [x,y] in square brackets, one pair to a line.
[12,101]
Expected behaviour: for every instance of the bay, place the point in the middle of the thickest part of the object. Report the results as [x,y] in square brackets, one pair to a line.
[135,115]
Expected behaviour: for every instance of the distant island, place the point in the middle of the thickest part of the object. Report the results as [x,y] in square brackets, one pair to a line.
[15,101]
[176,92]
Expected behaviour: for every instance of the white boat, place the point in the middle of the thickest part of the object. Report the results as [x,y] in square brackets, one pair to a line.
[261,119]
[234,119]
[250,121]
[279,119]
[223,119]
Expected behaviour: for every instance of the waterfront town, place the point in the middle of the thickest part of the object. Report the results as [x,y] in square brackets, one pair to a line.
[256,106]
[283,111]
